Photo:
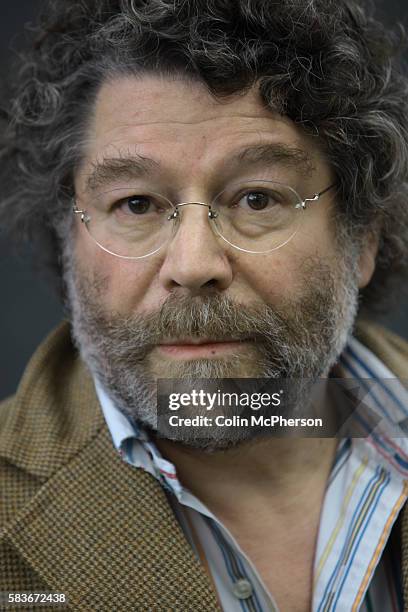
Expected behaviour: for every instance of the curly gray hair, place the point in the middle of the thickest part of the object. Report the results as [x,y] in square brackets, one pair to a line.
[328,65]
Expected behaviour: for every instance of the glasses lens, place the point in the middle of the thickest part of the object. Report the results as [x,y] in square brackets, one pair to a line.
[129,222]
[257,216]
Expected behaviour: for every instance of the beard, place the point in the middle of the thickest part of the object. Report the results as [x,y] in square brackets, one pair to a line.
[300,339]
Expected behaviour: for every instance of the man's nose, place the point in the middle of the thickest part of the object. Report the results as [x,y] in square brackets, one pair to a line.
[196,257]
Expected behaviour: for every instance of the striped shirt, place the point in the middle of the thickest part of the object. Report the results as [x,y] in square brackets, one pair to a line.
[357,563]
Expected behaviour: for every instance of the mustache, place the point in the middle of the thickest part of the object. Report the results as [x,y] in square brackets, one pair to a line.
[280,333]
[217,317]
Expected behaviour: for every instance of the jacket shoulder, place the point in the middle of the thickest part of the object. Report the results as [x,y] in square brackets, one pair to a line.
[6,406]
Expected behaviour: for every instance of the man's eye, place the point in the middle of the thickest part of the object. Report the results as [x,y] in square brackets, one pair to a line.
[258,200]
[136,205]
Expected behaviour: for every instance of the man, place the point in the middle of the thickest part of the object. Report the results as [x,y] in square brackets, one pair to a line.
[222,186]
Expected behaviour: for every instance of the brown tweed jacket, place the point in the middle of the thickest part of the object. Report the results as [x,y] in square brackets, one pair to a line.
[76,519]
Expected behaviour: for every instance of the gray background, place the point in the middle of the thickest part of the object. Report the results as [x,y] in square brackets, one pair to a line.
[28,307]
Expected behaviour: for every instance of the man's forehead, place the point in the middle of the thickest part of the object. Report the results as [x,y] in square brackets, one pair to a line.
[152,99]
[164,119]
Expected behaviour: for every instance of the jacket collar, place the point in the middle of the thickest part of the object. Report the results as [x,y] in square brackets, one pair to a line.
[55,412]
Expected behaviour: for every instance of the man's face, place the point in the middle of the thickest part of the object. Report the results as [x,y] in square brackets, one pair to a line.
[198,306]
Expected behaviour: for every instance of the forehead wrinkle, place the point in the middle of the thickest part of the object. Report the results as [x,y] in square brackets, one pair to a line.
[199,120]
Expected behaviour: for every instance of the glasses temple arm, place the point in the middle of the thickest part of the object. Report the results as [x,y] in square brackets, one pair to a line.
[326,190]
[316,196]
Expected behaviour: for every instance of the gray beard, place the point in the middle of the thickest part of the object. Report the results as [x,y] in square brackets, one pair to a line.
[299,339]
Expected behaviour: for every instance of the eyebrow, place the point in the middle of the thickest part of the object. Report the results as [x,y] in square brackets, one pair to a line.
[133,167]
[112,169]
[284,154]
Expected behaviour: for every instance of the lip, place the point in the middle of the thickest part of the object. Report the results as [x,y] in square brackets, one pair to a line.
[199,341]
[190,348]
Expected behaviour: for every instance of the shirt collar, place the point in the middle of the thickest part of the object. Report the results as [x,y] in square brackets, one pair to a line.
[120,426]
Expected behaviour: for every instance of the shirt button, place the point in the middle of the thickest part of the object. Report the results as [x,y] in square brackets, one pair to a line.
[242,589]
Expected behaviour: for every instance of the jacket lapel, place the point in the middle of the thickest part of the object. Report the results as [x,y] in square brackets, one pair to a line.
[98,530]
[104,534]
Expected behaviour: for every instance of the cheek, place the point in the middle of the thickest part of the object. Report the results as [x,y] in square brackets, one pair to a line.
[123,284]
[270,277]
[284,274]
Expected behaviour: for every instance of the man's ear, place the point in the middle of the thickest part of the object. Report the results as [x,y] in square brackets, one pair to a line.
[367,258]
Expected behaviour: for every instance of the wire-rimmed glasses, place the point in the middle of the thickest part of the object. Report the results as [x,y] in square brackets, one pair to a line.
[255,216]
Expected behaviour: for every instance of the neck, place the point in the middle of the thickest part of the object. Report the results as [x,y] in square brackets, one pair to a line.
[283,473]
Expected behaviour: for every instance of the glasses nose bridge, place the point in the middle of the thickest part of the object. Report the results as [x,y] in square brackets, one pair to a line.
[212,214]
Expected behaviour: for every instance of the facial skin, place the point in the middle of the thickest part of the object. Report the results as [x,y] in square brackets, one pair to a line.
[304,293]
